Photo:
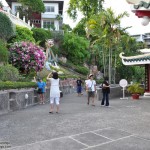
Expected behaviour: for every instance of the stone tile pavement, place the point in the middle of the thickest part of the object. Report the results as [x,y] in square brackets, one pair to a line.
[125,125]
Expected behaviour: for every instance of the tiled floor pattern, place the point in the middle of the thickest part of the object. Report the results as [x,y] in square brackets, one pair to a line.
[103,139]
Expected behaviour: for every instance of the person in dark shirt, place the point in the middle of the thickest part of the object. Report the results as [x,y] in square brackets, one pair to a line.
[105,91]
[79,86]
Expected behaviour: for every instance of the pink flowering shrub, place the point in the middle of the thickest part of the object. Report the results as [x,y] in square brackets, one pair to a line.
[27,56]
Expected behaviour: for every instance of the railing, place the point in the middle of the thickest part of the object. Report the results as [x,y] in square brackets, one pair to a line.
[16,20]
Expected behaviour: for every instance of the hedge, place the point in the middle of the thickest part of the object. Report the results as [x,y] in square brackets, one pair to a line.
[16,85]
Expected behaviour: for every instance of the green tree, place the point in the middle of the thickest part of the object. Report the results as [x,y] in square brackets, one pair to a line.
[75,48]
[41,35]
[105,29]
[1,5]
[129,46]
[22,34]
[87,7]
[9,73]
[7,29]
[80,28]
[3,52]
[29,7]
[66,28]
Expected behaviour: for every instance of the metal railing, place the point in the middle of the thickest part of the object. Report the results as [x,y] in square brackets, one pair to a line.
[16,20]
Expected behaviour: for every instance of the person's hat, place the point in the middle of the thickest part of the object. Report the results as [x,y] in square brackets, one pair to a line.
[90,75]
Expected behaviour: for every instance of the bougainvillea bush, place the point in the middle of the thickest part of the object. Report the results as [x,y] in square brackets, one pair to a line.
[27,56]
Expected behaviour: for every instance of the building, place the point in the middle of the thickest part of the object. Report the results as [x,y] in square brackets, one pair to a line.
[51,18]
[142,10]
[143,38]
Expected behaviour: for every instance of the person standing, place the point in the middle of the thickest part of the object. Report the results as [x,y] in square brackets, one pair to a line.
[79,86]
[54,91]
[41,90]
[91,88]
[105,91]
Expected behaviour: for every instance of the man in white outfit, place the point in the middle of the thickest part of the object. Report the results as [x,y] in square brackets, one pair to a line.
[91,89]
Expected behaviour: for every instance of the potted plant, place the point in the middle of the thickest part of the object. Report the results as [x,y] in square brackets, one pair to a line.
[136,90]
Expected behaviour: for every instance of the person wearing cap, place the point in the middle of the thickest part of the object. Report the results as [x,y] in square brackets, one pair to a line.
[91,89]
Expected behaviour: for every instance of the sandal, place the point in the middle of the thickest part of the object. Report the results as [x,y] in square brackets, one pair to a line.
[51,112]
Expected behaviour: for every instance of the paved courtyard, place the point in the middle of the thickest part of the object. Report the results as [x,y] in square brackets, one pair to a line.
[125,125]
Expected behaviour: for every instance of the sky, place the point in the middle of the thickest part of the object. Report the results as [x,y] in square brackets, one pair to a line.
[118,6]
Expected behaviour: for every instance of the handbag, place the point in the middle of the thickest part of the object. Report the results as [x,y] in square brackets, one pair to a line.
[61,94]
[90,88]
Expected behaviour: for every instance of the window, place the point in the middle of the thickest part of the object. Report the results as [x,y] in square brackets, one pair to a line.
[48,24]
[16,8]
[36,21]
[49,9]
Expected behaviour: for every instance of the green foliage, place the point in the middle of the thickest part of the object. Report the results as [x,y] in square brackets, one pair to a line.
[41,35]
[129,46]
[3,52]
[66,28]
[80,28]
[135,89]
[87,7]
[75,48]
[82,70]
[8,73]
[1,5]
[99,81]
[22,34]
[29,7]
[34,5]
[79,69]
[16,85]
[6,27]
[65,76]
[103,29]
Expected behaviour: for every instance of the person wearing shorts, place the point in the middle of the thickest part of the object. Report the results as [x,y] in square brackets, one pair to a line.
[91,88]
[41,90]
[54,91]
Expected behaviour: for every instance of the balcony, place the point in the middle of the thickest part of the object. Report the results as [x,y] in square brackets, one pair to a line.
[48,16]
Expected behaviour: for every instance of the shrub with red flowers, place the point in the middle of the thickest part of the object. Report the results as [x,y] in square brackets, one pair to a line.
[27,56]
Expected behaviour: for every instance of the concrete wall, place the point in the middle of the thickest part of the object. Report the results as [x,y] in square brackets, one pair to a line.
[115,92]
[14,99]
[11,100]
[4,100]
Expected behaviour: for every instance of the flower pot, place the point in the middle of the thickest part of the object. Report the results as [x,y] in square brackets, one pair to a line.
[135,96]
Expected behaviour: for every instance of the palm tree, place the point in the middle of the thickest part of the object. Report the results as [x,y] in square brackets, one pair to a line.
[105,29]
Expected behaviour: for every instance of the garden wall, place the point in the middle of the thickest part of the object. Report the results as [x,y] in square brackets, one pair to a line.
[115,92]
[14,99]
[11,100]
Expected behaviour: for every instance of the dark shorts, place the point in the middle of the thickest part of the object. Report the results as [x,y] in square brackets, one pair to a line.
[40,91]
[91,94]
[79,89]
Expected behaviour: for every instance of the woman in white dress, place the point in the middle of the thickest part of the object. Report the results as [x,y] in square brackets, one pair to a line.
[54,91]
